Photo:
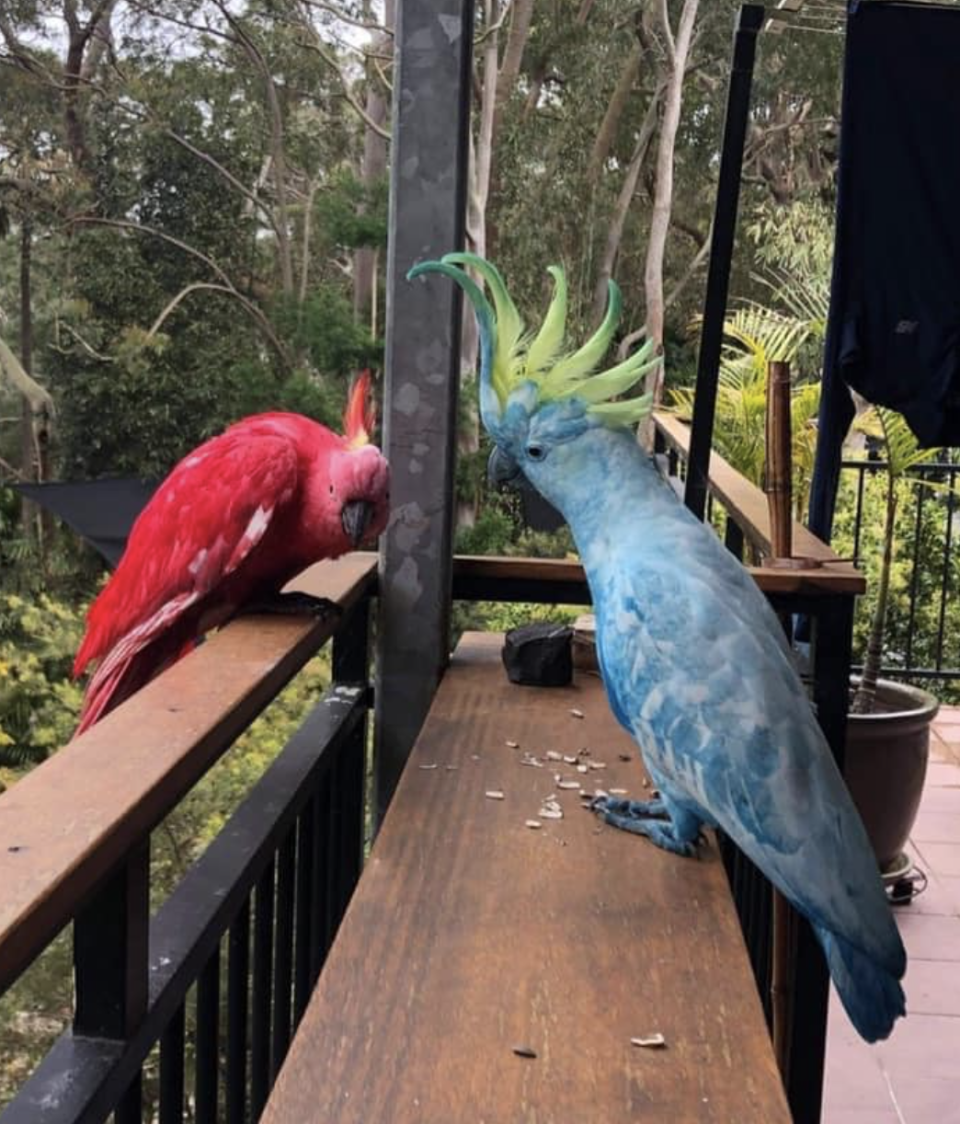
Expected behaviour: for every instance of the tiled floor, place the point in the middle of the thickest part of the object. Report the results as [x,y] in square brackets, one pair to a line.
[914,1077]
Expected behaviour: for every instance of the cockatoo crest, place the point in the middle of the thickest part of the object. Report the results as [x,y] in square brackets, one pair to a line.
[360,415]
[521,371]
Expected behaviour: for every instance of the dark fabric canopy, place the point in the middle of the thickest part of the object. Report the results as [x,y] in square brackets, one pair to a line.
[894,327]
[100,511]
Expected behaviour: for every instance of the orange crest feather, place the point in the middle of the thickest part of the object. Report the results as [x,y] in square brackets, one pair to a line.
[360,416]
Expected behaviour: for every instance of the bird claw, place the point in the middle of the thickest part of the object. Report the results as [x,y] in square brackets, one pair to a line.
[649,818]
[633,809]
[293,604]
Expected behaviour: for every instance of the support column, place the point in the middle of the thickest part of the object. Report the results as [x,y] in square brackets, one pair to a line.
[721,254]
[431,105]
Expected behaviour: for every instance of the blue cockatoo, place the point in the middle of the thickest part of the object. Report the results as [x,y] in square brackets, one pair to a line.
[695,663]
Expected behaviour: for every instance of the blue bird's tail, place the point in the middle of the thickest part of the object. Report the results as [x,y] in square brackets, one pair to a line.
[871,994]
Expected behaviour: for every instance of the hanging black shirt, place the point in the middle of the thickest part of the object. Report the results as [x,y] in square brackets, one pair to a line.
[894,327]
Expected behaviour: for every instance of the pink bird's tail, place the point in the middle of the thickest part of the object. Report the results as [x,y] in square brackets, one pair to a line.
[123,672]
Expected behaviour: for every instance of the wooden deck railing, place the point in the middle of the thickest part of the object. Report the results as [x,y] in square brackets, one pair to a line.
[242,938]
[75,845]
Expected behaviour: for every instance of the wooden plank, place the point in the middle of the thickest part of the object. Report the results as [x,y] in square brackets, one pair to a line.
[471,934]
[67,823]
[834,578]
[497,568]
[748,506]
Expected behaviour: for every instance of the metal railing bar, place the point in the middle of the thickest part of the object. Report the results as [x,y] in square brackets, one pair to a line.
[283,953]
[207,1024]
[302,911]
[915,573]
[187,929]
[172,1043]
[238,982]
[323,857]
[262,979]
[945,575]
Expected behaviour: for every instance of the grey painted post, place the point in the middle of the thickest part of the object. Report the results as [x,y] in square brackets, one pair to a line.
[431,105]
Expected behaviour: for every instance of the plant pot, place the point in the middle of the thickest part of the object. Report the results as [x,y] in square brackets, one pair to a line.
[886,764]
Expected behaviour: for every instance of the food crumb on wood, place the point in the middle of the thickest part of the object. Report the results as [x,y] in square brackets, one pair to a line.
[433,766]
[534,825]
[525,1051]
[650,1041]
[576,713]
[493,794]
[512,745]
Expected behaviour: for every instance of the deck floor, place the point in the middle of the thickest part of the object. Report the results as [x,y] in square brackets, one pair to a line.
[914,1077]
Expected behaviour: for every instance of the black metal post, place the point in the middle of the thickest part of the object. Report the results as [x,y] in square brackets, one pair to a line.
[172,1044]
[238,984]
[110,950]
[721,253]
[351,663]
[431,106]
[206,1049]
[262,992]
[832,639]
[283,964]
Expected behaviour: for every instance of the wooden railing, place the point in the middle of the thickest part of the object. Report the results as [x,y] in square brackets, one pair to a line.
[75,846]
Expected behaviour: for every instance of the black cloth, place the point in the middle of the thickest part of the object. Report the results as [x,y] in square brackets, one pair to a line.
[100,511]
[894,327]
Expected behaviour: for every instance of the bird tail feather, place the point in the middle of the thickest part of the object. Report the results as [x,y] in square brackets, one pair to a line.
[123,672]
[871,995]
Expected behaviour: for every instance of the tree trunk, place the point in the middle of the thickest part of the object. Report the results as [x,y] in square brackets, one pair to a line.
[620,211]
[678,51]
[373,166]
[78,69]
[28,448]
[478,191]
[611,119]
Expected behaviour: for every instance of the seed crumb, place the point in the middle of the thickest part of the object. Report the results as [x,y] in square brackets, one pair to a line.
[651,1041]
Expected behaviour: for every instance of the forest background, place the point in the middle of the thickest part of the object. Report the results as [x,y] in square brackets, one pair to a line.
[193,223]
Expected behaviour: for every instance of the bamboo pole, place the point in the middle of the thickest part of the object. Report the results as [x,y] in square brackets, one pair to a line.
[777,471]
[780,972]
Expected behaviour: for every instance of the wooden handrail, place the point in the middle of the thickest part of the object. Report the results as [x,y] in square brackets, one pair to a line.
[70,821]
[747,505]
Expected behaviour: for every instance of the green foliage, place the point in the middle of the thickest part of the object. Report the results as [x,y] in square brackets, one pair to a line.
[351,215]
[323,330]
[754,337]
[190,828]
[38,701]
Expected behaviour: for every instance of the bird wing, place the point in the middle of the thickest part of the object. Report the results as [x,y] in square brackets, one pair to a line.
[197,529]
[694,662]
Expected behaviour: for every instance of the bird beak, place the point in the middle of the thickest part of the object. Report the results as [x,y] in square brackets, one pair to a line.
[355,518]
[503,469]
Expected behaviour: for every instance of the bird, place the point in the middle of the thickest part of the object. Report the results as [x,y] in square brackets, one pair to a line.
[695,663]
[231,524]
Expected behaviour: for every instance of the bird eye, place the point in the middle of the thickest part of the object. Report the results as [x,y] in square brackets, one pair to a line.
[331,489]
[535,452]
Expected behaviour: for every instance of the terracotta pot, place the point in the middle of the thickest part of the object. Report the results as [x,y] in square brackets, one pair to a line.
[886,764]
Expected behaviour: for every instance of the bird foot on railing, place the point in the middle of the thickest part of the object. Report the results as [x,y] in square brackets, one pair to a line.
[294,604]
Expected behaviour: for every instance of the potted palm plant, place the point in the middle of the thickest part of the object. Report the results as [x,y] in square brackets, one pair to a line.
[888,729]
